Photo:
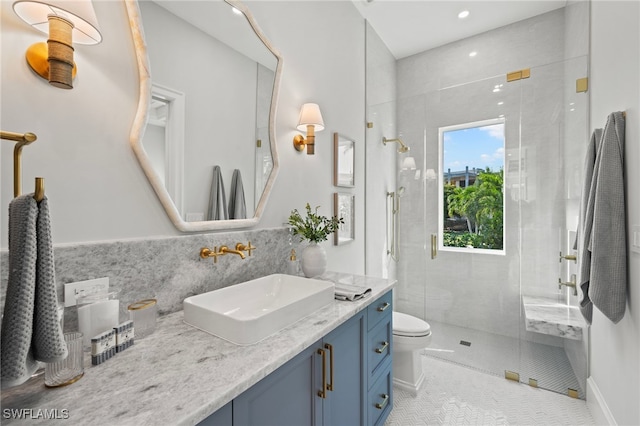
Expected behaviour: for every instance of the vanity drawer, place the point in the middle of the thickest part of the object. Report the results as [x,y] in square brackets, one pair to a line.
[379,309]
[379,346]
[380,398]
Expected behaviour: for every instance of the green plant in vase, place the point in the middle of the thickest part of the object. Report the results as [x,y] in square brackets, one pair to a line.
[314,228]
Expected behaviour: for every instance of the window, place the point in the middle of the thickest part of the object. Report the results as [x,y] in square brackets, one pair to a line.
[471,217]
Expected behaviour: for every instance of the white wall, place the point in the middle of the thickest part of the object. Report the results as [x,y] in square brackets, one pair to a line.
[614,383]
[220,103]
[98,191]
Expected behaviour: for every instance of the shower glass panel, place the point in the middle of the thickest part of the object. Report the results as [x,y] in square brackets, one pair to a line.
[554,134]
[470,299]
[473,300]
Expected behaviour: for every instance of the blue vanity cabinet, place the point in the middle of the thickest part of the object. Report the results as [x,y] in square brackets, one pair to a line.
[292,395]
[379,360]
[222,417]
[352,364]
[345,398]
[285,397]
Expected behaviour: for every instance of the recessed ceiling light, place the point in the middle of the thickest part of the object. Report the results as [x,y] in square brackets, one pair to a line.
[463,14]
[472,54]
[500,103]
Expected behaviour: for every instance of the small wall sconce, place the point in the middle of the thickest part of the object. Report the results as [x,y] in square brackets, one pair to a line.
[66,22]
[409,163]
[311,120]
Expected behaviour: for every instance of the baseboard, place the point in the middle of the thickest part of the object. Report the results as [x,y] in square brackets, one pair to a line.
[598,406]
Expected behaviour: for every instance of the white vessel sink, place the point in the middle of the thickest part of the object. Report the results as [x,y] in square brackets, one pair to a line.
[248,312]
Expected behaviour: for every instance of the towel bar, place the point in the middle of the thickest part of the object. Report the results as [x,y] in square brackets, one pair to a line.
[22,139]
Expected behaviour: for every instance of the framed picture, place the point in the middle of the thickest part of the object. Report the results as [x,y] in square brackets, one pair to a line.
[343,206]
[343,161]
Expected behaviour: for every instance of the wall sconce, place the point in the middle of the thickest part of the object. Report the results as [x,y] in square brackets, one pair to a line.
[66,22]
[311,120]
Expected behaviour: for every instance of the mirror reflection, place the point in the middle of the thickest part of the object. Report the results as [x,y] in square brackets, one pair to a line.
[207,145]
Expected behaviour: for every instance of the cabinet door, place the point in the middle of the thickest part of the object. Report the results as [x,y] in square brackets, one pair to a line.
[222,417]
[288,396]
[344,404]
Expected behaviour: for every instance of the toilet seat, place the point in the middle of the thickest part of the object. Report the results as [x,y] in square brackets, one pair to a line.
[409,326]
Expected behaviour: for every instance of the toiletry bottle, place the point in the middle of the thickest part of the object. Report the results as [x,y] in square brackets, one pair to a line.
[292,264]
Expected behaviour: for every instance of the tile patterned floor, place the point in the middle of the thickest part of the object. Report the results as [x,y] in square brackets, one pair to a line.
[457,395]
[493,354]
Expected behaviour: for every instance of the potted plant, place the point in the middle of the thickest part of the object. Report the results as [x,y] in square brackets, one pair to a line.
[314,228]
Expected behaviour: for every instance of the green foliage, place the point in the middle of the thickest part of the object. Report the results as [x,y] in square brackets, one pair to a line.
[313,227]
[482,205]
[461,239]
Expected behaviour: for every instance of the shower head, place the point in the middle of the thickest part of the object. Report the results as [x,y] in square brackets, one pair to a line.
[401,191]
[402,148]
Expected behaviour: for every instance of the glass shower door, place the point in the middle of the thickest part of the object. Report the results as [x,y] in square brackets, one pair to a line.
[554,138]
[469,296]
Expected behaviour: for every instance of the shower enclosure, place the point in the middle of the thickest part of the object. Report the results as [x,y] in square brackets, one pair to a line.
[500,311]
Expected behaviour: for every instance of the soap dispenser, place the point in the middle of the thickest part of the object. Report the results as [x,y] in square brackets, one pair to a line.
[292,264]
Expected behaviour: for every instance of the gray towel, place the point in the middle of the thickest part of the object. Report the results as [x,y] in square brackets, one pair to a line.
[237,205]
[350,292]
[30,328]
[218,198]
[585,225]
[607,287]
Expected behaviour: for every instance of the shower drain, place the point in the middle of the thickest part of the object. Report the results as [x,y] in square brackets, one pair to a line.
[465,343]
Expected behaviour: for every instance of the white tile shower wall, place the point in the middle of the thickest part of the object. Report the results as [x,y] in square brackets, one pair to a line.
[472,289]
[169,269]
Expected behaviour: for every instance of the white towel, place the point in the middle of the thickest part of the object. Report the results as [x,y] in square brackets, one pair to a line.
[237,205]
[217,197]
[608,243]
[30,327]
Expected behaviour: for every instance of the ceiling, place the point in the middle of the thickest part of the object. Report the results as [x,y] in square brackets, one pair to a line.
[411,26]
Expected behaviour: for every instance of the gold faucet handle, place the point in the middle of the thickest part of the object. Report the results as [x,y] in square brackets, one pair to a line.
[248,248]
[568,257]
[206,252]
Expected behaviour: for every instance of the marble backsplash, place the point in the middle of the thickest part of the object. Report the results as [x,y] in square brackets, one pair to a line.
[168,269]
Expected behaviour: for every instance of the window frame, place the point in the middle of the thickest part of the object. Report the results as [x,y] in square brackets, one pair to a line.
[441,178]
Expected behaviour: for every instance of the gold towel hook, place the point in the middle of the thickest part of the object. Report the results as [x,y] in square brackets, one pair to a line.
[22,139]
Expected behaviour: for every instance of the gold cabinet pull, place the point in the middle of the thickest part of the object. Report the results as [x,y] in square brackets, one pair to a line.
[384,347]
[385,401]
[330,348]
[322,393]
[434,246]
[384,307]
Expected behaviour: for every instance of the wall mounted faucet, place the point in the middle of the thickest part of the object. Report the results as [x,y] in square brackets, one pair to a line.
[225,250]
[240,249]
[571,283]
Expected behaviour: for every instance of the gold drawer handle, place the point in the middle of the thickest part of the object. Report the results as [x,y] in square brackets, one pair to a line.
[385,401]
[322,393]
[330,348]
[384,307]
[385,346]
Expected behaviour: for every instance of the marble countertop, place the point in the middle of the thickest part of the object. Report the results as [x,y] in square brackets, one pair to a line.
[179,374]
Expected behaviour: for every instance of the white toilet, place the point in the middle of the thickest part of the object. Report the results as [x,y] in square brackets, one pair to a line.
[410,336]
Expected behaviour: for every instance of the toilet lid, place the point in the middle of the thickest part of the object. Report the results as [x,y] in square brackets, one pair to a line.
[410,326]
